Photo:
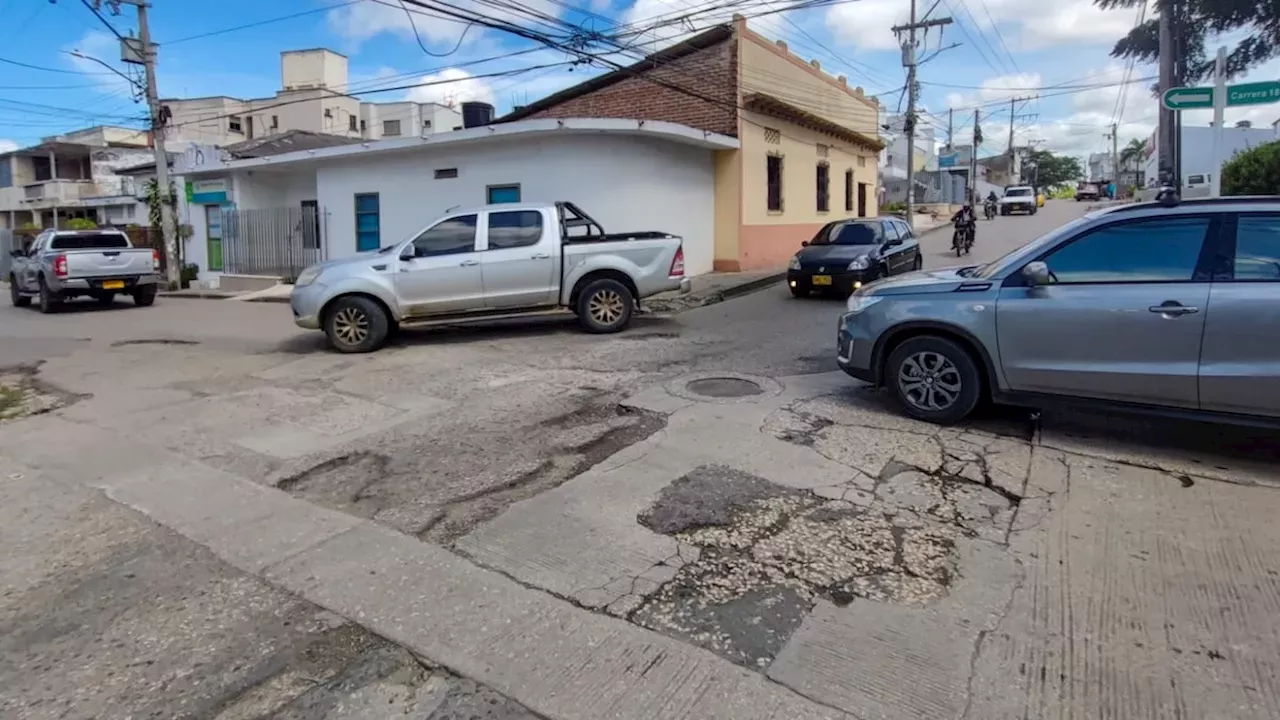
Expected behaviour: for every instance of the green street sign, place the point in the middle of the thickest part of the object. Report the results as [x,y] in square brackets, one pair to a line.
[1259,93]
[1188,98]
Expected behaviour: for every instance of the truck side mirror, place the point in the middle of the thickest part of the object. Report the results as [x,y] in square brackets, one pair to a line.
[1036,274]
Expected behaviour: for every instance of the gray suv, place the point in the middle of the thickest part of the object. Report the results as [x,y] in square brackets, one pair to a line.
[1173,307]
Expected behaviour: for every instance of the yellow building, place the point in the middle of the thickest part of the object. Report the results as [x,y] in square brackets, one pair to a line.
[809,142]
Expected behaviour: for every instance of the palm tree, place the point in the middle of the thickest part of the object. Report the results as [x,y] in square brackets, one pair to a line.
[1133,153]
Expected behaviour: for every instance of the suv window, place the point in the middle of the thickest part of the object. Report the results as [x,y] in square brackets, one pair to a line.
[1258,248]
[519,228]
[1155,250]
[447,237]
[904,230]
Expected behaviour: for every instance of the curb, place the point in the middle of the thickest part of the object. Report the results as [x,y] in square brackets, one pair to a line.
[750,287]
[681,303]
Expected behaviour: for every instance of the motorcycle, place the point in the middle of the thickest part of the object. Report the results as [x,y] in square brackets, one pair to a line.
[962,239]
[989,209]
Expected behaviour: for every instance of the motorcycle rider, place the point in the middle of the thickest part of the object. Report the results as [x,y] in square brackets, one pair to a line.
[992,203]
[965,219]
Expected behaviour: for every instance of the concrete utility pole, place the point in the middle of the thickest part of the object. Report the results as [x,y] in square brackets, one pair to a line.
[973,159]
[1115,158]
[148,51]
[950,128]
[1168,62]
[909,46]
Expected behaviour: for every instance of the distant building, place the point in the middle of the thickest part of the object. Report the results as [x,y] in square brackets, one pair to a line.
[1101,168]
[74,175]
[893,160]
[311,98]
[1197,153]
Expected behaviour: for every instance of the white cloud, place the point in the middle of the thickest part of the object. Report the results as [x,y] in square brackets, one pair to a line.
[453,86]
[866,23]
[104,47]
[365,20]
[7,145]
[995,89]
[1074,22]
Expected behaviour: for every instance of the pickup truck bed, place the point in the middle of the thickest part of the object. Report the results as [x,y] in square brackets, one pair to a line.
[62,265]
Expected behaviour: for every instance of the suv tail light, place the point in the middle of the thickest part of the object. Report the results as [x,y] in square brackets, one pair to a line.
[677,263]
[60,265]
[155,259]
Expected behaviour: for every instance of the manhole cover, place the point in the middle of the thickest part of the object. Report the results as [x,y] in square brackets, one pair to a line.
[723,387]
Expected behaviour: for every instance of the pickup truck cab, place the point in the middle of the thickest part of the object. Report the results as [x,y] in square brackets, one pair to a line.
[1086,191]
[487,263]
[64,264]
[1019,198]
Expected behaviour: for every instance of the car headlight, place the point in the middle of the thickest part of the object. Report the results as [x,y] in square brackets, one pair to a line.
[308,276]
[858,302]
[795,263]
[859,263]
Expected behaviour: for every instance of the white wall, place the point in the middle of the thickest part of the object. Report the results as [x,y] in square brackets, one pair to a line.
[626,183]
[1197,149]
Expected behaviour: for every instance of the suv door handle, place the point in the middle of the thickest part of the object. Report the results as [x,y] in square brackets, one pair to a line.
[470,263]
[541,256]
[1173,309]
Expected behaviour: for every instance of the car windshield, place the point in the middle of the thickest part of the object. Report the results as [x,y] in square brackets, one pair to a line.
[1018,192]
[986,272]
[854,233]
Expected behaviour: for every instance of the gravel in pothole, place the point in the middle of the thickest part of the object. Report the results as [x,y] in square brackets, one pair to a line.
[768,553]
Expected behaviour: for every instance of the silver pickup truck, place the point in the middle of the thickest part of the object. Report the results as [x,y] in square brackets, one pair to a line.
[64,264]
[488,263]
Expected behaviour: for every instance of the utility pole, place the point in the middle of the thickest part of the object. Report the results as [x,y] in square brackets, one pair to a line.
[1165,139]
[973,160]
[1115,157]
[909,46]
[950,128]
[147,50]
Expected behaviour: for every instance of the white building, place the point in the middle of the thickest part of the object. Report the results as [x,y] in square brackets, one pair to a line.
[1101,167]
[311,98]
[74,175]
[893,159]
[271,215]
[1197,153]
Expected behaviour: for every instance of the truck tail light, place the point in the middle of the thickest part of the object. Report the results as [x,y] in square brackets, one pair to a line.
[60,265]
[677,263]
[155,259]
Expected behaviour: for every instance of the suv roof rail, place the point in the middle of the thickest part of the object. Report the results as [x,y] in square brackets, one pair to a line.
[1181,202]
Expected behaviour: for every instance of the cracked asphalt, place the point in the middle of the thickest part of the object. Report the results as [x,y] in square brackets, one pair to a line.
[821,544]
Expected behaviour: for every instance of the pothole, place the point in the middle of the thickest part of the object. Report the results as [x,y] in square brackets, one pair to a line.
[154,341]
[767,553]
[723,387]
[23,395]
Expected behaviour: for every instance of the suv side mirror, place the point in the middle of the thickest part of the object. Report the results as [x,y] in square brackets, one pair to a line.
[1036,273]
[408,253]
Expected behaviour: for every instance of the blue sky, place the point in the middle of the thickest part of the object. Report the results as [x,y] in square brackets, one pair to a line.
[1006,48]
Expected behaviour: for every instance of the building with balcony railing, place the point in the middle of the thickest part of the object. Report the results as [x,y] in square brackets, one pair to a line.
[73,176]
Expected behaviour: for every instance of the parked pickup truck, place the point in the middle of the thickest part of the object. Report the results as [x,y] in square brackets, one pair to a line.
[64,264]
[493,262]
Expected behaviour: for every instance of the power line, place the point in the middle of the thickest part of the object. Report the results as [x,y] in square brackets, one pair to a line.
[423,45]
[48,69]
[999,35]
[260,23]
[103,19]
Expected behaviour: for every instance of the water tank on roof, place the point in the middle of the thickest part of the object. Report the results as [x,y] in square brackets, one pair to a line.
[475,114]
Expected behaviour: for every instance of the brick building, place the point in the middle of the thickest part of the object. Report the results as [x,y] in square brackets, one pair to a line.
[809,142]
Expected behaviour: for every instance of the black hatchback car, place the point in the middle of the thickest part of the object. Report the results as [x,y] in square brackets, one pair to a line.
[847,253]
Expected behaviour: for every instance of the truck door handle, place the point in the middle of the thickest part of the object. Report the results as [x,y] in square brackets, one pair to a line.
[1173,309]
[541,256]
[470,263]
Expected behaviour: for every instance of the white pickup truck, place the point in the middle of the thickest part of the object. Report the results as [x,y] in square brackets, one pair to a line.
[64,264]
[487,263]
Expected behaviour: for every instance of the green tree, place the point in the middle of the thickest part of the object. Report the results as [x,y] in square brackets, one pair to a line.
[1052,170]
[1131,155]
[81,224]
[1255,171]
[1257,21]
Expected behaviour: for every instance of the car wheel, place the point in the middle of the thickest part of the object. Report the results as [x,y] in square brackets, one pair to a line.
[145,296]
[799,292]
[356,324]
[919,263]
[49,301]
[934,379]
[15,295]
[605,306]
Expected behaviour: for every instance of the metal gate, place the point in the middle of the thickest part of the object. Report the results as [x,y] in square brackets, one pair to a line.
[278,242]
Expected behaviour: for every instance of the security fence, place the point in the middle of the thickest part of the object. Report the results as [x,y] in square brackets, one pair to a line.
[278,242]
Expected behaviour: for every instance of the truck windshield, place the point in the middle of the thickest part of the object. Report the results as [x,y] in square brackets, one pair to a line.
[854,233]
[89,241]
[1018,192]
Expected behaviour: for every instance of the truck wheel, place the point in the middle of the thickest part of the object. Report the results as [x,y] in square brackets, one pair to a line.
[49,300]
[15,295]
[356,324]
[145,296]
[605,306]
[934,379]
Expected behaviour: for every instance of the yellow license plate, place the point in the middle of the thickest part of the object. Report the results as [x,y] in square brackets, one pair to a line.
[112,284]
[821,279]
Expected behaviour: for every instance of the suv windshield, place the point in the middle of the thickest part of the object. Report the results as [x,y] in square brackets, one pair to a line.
[89,241]
[986,272]
[848,233]
[1018,192]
